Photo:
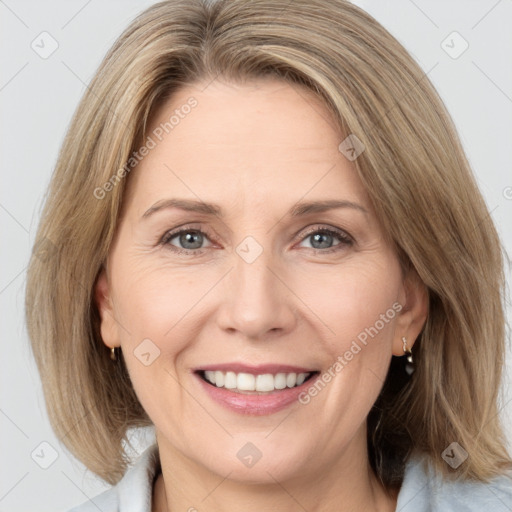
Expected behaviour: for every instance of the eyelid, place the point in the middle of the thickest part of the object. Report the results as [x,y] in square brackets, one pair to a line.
[173,233]
[344,237]
[328,229]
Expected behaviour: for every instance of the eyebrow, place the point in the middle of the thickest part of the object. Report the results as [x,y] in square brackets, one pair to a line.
[298,210]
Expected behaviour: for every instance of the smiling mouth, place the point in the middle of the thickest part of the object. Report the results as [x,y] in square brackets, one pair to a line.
[247,383]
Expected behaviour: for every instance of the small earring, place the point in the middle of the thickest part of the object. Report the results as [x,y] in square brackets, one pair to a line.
[113,354]
[409,365]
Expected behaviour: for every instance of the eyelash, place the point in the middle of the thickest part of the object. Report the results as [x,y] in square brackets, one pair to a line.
[344,239]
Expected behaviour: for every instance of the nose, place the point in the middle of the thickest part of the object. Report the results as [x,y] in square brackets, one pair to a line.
[256,302]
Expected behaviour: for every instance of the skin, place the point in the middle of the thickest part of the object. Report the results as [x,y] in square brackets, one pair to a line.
[256,150]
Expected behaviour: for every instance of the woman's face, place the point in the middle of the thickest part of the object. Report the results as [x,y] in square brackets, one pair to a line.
[248,254]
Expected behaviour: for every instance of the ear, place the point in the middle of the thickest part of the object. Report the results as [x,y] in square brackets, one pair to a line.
[108,324]
[413,315]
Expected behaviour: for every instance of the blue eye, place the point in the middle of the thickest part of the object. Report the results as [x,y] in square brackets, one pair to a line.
[324,240]
[190,241]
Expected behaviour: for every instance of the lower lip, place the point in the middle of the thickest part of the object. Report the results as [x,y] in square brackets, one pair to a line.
[252,404]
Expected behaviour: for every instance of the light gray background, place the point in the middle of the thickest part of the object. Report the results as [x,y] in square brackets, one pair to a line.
[37,99]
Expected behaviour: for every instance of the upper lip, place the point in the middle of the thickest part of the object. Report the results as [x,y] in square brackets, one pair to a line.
[255,369]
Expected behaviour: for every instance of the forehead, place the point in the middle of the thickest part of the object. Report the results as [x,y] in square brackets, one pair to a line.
[265,141]
[266,113]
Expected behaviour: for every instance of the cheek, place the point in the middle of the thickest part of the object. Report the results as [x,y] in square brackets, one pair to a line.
[152,302]
[355,303]
[153,336]
[359,306]
[152,308]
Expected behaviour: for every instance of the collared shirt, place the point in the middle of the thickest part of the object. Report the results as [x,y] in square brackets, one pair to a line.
[422,490]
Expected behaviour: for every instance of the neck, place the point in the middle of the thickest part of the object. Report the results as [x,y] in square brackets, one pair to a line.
[347,485]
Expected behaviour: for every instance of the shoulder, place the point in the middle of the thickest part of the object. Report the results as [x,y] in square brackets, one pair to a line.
[133,492]
[423,490]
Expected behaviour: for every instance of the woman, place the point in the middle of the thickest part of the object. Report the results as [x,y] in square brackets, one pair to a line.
[284,265]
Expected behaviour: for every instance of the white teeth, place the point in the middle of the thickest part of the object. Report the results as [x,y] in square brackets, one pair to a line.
[245,382]
[265,382]
[280,381]
[229,380]
[291,380]
[219,379]
[260,383]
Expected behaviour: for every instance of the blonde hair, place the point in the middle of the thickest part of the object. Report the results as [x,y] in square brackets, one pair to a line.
[413,168]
